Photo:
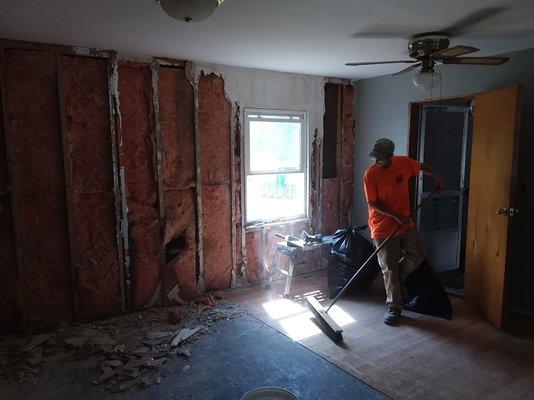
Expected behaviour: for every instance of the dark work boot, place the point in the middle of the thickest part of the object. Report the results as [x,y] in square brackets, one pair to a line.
[392,315]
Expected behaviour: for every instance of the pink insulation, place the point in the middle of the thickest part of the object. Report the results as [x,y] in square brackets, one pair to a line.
[138,152]
[38,188]
[9,312]
[254,258]
[347,154]
[330,209]
[215,148]
[89,159]
[177,120]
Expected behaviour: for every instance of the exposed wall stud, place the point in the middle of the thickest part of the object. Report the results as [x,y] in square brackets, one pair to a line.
[198,186]
[68,189]
[233,122]
[154,69]
[14,210]
[119,187]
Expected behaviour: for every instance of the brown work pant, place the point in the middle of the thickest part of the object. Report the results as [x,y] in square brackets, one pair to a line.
[400,256]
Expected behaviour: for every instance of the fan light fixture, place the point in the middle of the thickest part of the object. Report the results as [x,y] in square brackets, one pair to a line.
[189,10]
[426,80]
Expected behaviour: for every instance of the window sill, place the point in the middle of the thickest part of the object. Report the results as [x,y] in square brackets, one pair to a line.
[260,226]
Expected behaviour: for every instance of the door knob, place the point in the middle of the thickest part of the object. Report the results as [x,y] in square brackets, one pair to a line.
[510,212]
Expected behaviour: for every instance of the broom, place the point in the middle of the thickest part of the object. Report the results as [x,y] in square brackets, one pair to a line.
[330,328]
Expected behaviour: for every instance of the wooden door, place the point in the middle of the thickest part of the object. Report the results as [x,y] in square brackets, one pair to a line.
[492,189]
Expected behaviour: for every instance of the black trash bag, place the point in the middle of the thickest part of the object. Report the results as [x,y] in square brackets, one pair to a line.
[349,251]
[426,293]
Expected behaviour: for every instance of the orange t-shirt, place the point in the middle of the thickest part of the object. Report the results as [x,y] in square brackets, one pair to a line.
[390,187]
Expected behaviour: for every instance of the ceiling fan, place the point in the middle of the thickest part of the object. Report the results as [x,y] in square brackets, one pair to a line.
[430,48]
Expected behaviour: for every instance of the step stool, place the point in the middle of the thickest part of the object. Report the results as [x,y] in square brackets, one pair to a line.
[282,248]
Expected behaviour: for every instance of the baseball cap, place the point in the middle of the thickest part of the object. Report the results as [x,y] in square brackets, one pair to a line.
[382,148]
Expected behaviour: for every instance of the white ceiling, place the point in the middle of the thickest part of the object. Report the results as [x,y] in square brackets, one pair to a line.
[303,36]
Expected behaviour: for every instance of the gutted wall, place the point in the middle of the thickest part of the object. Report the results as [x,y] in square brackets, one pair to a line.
[137,150]
[177,128]
[121,180]
[338,158]
[382,110]
[253,247]
[36,189]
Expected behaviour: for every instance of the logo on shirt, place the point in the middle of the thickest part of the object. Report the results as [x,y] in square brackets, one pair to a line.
[399,179]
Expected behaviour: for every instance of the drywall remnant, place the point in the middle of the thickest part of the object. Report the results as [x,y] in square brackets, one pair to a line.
[177,124]
[33,142]
[215,171]
[137,157]
[90,167]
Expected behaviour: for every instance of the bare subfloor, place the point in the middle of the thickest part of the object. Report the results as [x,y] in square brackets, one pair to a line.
[423,358]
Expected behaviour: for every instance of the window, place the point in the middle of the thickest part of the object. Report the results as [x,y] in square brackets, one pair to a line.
[276,159]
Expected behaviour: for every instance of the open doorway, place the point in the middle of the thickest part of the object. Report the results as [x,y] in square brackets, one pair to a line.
[444,142]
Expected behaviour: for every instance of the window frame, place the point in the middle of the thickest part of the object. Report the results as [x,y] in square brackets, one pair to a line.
[304,152]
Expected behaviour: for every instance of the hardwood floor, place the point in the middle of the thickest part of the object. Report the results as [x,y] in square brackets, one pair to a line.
[423,358]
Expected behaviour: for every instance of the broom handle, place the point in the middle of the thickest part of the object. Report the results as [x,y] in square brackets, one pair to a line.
[344,289]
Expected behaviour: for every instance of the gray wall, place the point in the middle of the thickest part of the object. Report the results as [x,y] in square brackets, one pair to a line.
[382,111]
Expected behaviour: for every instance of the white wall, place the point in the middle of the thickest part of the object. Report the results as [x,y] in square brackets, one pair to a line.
[382,111]
[267,89]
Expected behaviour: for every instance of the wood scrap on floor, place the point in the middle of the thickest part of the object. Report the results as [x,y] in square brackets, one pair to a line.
[128,350]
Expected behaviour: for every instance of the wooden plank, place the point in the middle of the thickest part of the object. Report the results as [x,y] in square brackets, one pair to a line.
[492,187]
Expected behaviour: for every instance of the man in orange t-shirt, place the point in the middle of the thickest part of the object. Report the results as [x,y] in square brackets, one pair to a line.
[386,185]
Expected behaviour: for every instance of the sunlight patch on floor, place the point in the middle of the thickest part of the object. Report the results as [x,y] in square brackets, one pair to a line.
[300,326]
[283,308]
[297,321]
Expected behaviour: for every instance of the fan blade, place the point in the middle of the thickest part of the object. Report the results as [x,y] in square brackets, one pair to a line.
[472,19]
[408,69]
[380,62]
[453,52]
[380,34]
[476,60]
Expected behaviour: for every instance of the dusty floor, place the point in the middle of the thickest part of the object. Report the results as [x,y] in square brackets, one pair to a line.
[117,353]
[132,357]
[425,357]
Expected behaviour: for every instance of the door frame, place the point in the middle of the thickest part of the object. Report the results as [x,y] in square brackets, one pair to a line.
[462,191]
[414,123]
[415,109]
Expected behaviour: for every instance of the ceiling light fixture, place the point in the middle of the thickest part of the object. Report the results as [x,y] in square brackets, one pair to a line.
[426,80]
[189,10]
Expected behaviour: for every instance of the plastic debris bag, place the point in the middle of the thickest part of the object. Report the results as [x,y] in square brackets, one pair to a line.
[426,293]
[349,251]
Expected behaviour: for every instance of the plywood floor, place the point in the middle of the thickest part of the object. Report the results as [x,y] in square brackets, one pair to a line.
[423,358]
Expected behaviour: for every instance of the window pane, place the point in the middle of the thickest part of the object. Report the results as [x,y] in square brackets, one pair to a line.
[275,196]
[274,146]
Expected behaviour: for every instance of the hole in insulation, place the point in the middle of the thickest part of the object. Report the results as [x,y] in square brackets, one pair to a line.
[174,247]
